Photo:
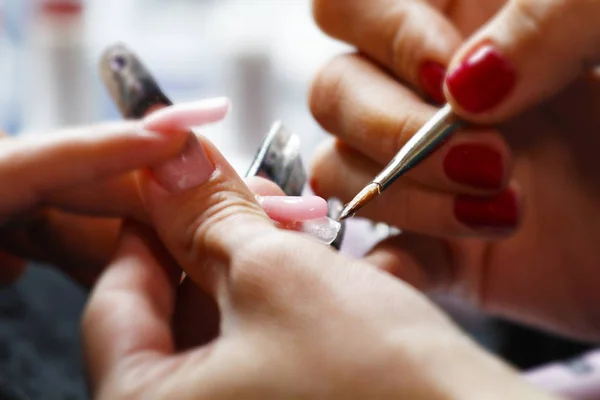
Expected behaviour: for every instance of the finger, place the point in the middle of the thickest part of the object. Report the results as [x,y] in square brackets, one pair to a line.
[433,265]
[118,196]
[410,206]
[206,215]
[372,113]
[422,261]
[81,245]
[113,197]
[411,38]
[531,50]
[33,166]
[217,210]
[128,318]
[197,318]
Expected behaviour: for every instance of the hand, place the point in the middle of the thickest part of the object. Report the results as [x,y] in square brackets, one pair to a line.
[46,178]
[297,320]
[82,244]
[548,183]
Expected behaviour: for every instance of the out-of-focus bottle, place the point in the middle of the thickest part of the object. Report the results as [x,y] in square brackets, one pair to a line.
[58,76]
[9,118]
[251,88]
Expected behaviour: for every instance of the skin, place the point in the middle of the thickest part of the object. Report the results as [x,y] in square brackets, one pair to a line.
[72,193]
[59,210]
[146,335]
[261,336]
[551,148]
[259,306]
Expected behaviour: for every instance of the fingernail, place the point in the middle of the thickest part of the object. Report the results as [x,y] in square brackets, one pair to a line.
[190,169]
[494,213]
[187,115]
[291,208]
[431,77]
[324,229]
[482,81]
[475,165]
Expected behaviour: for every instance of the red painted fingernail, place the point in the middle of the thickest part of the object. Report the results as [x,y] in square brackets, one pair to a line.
[431,77]
[496,213]
[474,165]
[482,81]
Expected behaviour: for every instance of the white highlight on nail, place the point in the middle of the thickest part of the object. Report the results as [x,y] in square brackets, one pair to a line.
[324,230]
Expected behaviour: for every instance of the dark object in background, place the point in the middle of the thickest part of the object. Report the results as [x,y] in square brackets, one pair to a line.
[40,345]
[278,159]
[526,348]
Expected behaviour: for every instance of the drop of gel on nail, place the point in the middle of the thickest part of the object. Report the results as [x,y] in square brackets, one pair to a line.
[325,229]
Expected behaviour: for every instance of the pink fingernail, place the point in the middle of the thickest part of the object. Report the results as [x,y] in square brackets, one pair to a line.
[192,167]
[292,209]
[187,115]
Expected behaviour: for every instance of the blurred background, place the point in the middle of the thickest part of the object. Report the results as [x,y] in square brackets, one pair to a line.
[261,53]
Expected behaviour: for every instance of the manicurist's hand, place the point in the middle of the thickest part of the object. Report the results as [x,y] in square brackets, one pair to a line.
[282,316]
[515,196]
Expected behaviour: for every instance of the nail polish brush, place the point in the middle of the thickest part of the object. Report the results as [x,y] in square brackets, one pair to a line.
[420,146]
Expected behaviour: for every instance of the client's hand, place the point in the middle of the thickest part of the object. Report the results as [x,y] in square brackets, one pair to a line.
[46,180]
[283,316]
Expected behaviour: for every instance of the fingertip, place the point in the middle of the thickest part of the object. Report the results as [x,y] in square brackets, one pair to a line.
[492,216]
[529,52]
[476,167]
[481,81]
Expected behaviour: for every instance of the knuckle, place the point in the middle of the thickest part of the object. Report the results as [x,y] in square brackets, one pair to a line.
[229,215]
[260,266]
[530,14]
[404,47]
[326,93]
[544,17]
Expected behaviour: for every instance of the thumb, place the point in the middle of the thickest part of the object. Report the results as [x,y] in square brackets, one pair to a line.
[531,50]
[202,210]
